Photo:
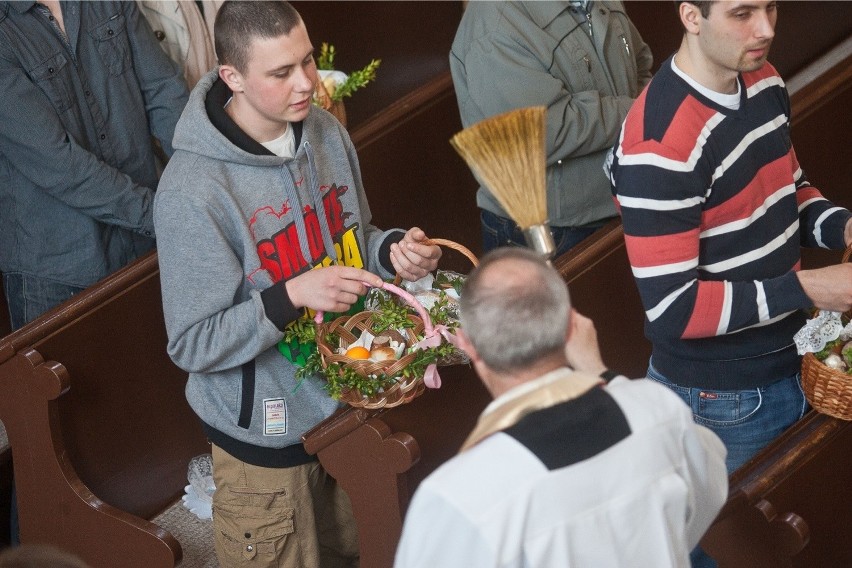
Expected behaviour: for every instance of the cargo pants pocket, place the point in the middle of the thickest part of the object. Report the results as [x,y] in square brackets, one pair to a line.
[252,525]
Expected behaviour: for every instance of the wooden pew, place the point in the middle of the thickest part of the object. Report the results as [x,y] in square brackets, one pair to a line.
[412,39]
[98,423]
[790,505]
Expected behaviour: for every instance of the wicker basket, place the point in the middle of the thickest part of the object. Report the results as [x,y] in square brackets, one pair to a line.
[828,390]
[334,107]
[348,328]
[344,327]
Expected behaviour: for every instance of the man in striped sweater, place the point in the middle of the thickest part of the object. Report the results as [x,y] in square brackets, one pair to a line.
[715,209]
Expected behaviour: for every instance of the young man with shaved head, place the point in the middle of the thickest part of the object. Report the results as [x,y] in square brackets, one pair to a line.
[262,217]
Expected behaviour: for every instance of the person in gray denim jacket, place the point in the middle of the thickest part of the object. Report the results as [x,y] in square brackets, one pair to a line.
[584,61]
[84,89]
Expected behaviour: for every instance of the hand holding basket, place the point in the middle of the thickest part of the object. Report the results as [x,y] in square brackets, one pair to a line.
[827,389]
[407,379]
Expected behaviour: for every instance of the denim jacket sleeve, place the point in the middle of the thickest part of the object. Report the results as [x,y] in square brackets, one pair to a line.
[162,82]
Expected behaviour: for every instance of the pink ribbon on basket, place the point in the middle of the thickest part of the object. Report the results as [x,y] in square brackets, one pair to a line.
[431,334]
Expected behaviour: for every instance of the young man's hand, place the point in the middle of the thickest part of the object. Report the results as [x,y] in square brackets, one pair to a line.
[331,288]
[830,287]
[411,258]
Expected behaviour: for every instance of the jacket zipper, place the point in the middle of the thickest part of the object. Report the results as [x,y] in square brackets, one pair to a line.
[626,45]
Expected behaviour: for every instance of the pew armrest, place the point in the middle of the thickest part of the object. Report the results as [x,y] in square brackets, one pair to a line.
[59,506]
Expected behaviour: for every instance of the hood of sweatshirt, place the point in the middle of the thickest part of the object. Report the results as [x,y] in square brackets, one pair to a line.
[196,133]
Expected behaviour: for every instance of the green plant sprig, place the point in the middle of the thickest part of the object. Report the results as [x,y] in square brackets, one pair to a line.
[302,330]
[390,315]
[443,280]
[356,80]
[325,59]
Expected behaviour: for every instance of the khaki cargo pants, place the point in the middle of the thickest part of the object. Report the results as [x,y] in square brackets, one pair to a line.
[295,517]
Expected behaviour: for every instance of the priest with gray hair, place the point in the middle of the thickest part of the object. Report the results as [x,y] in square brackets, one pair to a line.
[571,464]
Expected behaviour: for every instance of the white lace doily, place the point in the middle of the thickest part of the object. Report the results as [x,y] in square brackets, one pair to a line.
[199,493]
[824,327]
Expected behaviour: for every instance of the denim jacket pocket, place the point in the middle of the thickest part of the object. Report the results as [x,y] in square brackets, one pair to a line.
[48,75]
[111,39]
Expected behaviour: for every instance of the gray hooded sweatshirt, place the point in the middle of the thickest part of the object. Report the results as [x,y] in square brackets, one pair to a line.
[232,227]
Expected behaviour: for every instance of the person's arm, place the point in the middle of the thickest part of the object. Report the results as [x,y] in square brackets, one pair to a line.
[161,80]
[823,225]
[503,75]
[581,349]
[207,331]
[35,142]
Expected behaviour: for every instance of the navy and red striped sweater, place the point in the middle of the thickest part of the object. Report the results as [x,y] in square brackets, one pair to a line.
[715,209]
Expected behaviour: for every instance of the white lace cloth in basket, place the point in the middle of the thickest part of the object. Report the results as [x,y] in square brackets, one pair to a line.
[817,332]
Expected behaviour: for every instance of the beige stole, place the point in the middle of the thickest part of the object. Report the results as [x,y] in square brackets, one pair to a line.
[550,389]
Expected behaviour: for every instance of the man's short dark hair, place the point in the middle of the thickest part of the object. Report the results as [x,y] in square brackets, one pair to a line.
[239,23]
[702,5]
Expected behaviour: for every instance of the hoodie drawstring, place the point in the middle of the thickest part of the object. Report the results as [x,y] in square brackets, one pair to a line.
[319,205]
[299,209]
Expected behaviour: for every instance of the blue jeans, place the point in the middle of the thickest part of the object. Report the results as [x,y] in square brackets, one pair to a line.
[746,421]
[30,296]
[499,232]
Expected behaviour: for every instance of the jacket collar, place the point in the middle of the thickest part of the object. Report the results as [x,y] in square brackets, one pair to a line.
[543,13]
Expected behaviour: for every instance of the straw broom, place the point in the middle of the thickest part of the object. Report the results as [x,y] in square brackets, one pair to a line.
[506,154]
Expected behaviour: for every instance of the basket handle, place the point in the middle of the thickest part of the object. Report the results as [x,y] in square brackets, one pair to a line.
[409,299]
[449,244]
